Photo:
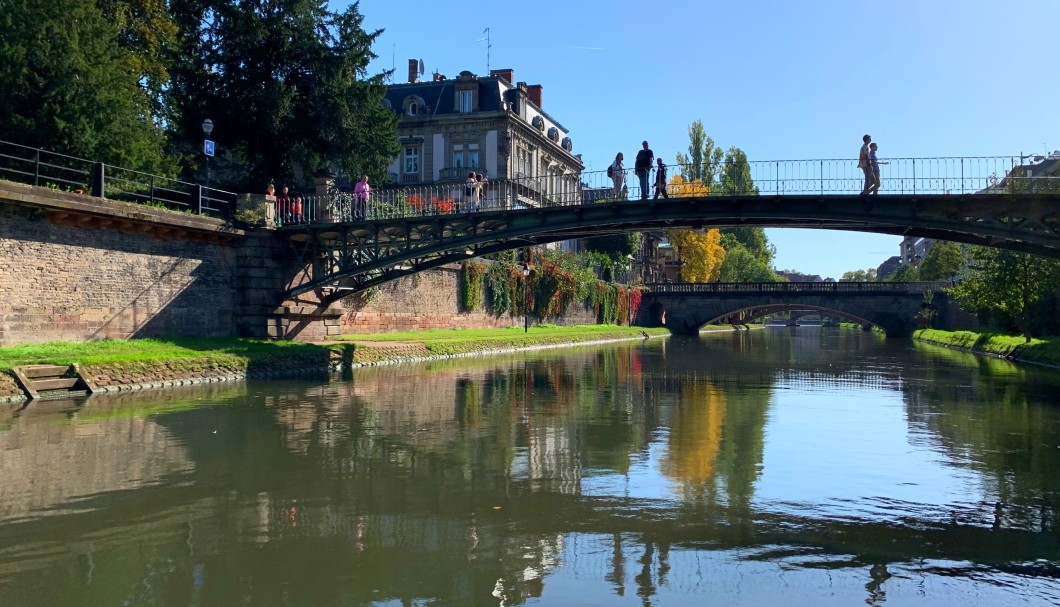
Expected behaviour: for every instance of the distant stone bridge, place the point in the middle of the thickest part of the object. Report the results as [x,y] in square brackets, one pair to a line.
[895,307]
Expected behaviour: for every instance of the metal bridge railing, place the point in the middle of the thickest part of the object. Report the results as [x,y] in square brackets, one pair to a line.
[61,172]
[968,175]
[732,288]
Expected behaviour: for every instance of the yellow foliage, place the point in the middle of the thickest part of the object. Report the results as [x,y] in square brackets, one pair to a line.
[678,187]
[701,253]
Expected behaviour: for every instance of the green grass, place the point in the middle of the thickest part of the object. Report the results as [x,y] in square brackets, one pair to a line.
[457,341]
[545,331]
[146,350]
[1045,351]
[233,351]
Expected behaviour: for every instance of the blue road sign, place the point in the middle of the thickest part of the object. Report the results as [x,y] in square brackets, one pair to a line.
[207,147]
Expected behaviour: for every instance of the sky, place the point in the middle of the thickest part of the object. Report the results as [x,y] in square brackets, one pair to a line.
[776,78]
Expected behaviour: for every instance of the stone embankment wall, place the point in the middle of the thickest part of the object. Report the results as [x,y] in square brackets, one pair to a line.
[77,268]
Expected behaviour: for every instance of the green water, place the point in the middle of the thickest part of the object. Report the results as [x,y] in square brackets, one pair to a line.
[777,467]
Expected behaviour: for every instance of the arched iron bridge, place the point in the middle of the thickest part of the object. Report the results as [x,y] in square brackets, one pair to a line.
[981,201]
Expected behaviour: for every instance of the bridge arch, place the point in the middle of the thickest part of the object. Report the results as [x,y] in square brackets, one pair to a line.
[893,307]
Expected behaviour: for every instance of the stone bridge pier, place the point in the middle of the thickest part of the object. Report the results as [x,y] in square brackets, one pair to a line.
[896,308]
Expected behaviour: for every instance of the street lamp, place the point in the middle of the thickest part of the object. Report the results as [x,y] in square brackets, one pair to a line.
[207,147]
[526,286]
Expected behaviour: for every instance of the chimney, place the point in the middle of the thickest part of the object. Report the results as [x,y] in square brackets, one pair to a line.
[533,93]
[507,74]
[414,70]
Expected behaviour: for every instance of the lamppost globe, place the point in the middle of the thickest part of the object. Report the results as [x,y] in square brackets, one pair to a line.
[207,127]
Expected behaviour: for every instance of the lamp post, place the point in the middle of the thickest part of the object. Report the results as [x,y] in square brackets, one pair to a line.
[207,147]
[526,308]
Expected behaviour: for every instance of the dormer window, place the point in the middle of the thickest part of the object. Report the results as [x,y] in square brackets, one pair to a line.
[413,105]
[538,122]
[464,101]
[553,133]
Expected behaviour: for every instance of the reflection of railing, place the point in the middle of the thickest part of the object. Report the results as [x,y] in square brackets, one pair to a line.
[736,288]
[67,173]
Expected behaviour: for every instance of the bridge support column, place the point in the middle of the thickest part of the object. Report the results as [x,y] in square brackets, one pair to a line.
[304,323]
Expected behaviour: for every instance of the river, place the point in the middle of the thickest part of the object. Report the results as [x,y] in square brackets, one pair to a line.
[783,466]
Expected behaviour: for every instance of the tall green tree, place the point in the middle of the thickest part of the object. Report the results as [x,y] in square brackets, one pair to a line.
[69,83]
[703,161]
[1008,286]
[285,83]
[944,260]
[736,174]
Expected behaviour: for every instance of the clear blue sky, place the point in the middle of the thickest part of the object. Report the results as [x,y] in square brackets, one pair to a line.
[779,79]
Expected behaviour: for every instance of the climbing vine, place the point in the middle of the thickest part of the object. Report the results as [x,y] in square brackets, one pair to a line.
[471,285]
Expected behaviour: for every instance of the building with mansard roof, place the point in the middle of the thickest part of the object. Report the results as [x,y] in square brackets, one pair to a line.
[483,124]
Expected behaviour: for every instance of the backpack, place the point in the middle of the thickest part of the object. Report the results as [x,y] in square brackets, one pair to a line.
[610,170]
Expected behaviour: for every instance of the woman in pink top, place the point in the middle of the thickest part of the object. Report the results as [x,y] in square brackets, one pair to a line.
[361,192]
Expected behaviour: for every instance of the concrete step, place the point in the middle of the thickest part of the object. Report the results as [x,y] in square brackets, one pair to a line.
[58,383]
[50,381]
[35,371]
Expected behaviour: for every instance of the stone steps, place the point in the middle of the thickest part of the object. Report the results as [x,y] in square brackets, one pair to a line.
[51,381]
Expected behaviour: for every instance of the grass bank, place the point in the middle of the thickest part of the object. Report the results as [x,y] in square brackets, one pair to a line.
[444,342]
[1039,351]
[123,364]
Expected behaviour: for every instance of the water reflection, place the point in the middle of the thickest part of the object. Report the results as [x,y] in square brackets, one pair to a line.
[803,466]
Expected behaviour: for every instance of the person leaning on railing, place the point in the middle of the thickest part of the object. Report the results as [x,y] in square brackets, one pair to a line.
[283,206]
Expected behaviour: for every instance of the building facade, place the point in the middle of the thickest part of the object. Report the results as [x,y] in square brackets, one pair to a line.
[489,125]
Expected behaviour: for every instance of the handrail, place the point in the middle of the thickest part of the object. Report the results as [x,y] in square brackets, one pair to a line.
[797,287]
[39,167]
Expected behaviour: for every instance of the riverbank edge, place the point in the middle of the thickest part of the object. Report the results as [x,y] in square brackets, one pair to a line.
[1043,353]
[11,393]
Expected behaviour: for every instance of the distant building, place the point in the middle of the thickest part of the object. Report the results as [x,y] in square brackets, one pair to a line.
[888,267]
[913,249]
[1042,174]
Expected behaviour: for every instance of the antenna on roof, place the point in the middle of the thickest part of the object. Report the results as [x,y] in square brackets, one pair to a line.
[488,47]
[419,67]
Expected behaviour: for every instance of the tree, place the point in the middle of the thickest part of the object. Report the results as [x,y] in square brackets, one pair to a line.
[904,273]
[700,253]
[285,82]
[1008,285]
[703,160]
[868,275]
[736,174]
[742,266]
[943,261]
[616,248]
[68,83]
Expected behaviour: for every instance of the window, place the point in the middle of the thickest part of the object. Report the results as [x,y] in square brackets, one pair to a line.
[472,156]
[412,160]
[464,101]
[458,157]
[413,108]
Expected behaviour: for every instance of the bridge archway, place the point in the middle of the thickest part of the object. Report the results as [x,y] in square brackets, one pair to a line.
[893,307]
[762,311]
